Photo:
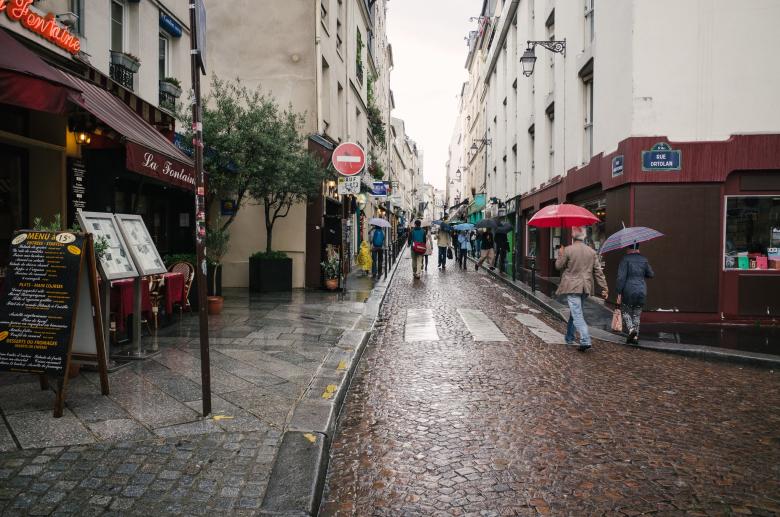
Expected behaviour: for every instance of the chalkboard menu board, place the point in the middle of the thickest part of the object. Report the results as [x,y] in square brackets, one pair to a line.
[116,262]
[40,294]
[141,245]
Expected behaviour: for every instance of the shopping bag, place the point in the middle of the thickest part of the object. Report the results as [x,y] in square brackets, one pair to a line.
[449,253]
[617,318]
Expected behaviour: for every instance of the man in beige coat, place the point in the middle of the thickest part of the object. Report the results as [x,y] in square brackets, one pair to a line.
[579,266]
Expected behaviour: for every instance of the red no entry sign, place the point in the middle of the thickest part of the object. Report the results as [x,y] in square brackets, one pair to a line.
[348,159]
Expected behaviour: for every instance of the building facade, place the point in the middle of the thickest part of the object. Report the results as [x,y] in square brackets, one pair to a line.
[689,151]
[331,60]
[87,96]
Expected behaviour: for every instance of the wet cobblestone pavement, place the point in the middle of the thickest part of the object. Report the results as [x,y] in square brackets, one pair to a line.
[463,427]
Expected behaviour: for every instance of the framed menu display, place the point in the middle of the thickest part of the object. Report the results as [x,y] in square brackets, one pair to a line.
[116,262]
[139,241]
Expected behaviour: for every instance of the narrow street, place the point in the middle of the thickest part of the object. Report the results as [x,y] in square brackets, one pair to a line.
[459,408]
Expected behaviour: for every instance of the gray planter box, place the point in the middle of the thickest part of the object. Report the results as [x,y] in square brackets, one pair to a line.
[170,88]
[122,59]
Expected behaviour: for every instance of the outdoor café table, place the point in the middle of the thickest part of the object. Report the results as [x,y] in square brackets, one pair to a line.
[173,284]
[122,292]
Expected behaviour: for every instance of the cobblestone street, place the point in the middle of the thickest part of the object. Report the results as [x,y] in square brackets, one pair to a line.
[446,418]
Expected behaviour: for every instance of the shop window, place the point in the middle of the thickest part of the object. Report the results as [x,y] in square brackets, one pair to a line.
[589,22]
[752,236]
[532,243]
[587,100]
[596,233]
[117,25]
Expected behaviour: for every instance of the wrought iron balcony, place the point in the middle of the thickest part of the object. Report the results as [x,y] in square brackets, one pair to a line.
[121,75]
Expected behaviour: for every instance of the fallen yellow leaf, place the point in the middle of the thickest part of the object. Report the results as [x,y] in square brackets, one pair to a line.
[310,437]
[222,417]
[329,391]
[342,365]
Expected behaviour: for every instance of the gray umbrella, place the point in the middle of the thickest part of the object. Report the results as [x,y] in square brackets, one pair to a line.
[504,228]
[487,223]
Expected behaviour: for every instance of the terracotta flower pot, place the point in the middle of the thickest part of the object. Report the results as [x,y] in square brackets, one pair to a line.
[332,283]
[215,304]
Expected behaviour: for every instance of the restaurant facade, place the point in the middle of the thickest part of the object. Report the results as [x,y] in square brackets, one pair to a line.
[75,132]
[717,204]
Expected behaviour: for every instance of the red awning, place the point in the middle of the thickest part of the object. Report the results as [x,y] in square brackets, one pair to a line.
[148,152]
[27,81]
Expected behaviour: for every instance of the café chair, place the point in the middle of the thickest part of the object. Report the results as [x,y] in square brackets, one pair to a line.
[188,271]
[156,285]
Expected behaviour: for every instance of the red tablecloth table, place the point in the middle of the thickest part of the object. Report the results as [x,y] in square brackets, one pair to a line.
[174,290]
[122,293]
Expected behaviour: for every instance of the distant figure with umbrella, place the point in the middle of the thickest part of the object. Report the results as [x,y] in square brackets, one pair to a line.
[502,244]
[487,252]
[579,266]
[464,244]
[633,270]
[443,241]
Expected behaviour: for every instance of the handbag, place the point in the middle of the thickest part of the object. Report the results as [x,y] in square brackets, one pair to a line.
[418,247]
[617,317]
[449,253]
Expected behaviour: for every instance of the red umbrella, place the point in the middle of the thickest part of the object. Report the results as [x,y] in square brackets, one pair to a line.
[564,215]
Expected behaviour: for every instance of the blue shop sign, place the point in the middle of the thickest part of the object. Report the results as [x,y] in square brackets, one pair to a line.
[617,166]
[228,207]
[170,25]
[379,189]
[661,158]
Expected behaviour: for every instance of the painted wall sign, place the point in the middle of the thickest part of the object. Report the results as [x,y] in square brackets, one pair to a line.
[45,26]
[617,166]
[661,158]
[170,25]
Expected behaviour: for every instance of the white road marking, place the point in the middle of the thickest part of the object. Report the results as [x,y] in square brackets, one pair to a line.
[348,159]
[541,330]
[420,326]
[480,326]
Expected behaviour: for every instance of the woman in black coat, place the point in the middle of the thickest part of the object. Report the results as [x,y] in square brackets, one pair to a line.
[632,290]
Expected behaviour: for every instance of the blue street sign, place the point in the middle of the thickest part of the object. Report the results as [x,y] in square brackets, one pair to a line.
[170,25]
[379,189]
[661,158]
[617,166]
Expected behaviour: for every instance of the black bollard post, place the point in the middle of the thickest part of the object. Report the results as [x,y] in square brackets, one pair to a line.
[533,275]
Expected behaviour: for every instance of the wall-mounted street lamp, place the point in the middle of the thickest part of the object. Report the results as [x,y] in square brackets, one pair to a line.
[529,56]
[482,141]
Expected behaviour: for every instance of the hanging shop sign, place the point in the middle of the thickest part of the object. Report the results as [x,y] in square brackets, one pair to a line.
[661,158]
[348,159]
[617,166]
[50,310]
[46,26]
[144,161]
[349,185]
[379,189]
[77,188]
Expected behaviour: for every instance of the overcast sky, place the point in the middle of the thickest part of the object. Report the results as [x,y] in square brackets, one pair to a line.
[429,53]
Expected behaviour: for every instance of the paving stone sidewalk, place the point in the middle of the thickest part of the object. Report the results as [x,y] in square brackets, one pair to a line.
[145,449]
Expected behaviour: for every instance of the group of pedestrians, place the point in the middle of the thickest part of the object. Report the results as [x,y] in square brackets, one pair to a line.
[579,264]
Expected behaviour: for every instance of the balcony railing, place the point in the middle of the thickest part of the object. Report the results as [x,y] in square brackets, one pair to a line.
[121,75]
[167,101]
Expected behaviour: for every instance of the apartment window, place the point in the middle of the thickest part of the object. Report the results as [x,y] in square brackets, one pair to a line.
[532,147]
[587,101]
[164,57]
[340,107]
[589,24]
[551,55]
[359,56]
[551,140]
[77,8]
[117,25]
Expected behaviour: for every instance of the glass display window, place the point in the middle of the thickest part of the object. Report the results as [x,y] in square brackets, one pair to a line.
[752,233]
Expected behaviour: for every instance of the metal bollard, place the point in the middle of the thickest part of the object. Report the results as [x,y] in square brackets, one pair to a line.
[533,275]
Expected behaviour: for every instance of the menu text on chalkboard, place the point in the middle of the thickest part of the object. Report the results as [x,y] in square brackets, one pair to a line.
[39,296]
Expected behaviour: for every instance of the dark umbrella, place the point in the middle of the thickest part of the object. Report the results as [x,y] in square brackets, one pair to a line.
[505,228]
[487,223]
[628,237]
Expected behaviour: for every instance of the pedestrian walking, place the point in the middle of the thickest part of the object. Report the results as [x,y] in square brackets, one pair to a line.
[377,238]
[487,252]
[474,243]
[428,246]
[464,243]
[443,241]
[417,242]
[632,290]
[502,247]
[579,266]
[364,258]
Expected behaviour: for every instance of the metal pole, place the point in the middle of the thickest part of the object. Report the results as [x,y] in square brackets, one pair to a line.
[200,217]
[533,275]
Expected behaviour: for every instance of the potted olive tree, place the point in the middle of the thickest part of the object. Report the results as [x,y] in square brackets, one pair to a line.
[216,247]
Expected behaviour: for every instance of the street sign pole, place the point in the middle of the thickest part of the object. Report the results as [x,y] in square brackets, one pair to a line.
[200,209]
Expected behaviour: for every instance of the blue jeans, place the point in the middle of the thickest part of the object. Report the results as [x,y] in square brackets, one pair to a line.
[577,319]
[377,256]
[442,256]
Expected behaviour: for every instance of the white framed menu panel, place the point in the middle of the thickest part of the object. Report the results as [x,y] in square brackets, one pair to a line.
[144,252]
[116,262]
